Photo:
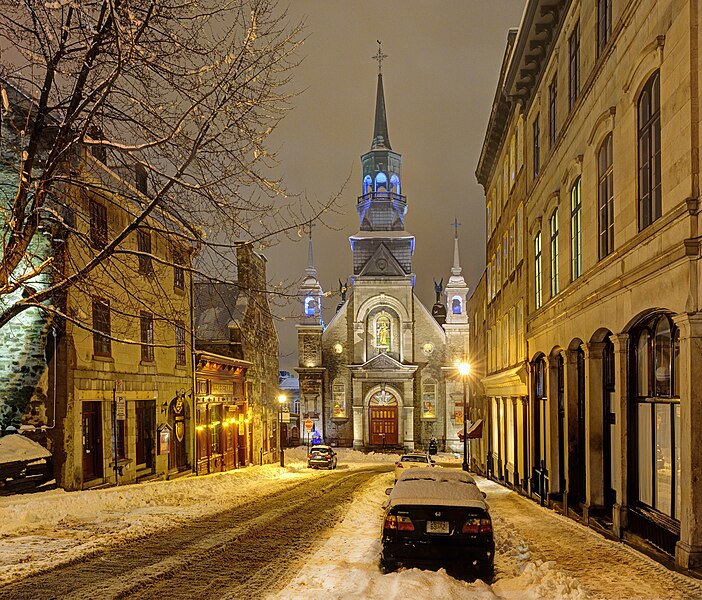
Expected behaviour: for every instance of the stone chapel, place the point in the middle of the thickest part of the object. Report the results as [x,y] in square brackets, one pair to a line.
[382,373]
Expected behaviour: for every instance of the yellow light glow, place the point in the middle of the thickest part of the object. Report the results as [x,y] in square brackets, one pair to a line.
[282,398]
[463,368]
[200,428]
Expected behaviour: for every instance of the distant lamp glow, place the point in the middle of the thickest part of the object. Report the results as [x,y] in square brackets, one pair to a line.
[282,398]
[463,368]
[338,348]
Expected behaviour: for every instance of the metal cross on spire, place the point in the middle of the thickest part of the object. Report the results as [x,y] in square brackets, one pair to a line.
[379,56]
[455,226]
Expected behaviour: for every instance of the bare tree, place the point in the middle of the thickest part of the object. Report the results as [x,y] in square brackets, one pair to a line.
[161,108]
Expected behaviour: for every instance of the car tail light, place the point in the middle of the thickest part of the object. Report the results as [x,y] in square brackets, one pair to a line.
[471,526]
[398,523]
[485,526]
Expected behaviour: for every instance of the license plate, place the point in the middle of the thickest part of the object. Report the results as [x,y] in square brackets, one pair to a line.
[437,527]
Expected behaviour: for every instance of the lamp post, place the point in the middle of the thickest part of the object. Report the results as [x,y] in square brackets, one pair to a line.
[282,399]
[464,371]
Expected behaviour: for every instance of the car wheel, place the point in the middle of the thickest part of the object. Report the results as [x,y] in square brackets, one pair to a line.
[388,566]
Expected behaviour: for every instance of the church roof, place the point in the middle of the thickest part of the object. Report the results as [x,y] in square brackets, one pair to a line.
[381,137]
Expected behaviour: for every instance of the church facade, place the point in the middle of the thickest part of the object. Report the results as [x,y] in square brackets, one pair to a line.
[382,373]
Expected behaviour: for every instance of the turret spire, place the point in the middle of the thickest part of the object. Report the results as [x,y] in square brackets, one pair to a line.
[456,269]
[310,255]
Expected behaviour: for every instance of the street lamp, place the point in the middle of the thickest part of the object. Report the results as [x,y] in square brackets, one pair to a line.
[464,371]
[282,399]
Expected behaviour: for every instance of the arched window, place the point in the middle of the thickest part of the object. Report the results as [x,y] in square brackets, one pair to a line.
[649,151]
[605,197]
[576,232]
[456,305]
[655,426]
[395,184]
[381,182]
[367,184]
[553,225]
[310,306]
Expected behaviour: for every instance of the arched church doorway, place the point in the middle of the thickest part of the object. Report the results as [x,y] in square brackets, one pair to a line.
[382,419]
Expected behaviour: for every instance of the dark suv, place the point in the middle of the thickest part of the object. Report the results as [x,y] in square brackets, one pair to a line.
[437,518]
[321,456]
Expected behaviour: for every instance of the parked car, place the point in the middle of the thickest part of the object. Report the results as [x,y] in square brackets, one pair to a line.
[321,456]
[437,518]
[412,460]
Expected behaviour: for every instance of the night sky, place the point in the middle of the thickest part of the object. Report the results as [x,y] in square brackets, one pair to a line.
[440,78]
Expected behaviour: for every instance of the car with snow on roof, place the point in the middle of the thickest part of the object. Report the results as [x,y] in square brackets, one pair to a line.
[413,460]
[437,518]
[321,456]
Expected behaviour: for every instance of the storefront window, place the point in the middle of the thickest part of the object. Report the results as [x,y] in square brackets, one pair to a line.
[339,397]
[429,400]
[658,415]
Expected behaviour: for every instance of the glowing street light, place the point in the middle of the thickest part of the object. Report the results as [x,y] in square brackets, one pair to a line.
[464,371]
[282,399]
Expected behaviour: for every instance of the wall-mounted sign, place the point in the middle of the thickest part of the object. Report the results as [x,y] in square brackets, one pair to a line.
[164,439]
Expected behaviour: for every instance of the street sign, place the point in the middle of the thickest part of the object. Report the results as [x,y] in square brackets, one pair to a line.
[121,413]
[119,386]
[285,416]
[308,425]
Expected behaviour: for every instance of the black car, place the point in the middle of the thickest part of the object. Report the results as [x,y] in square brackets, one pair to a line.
[321,456]
[438,518]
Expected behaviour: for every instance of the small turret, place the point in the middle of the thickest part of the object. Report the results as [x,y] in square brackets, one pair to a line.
[310,291]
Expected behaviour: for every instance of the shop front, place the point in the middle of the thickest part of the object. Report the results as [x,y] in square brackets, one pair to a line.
[222,413]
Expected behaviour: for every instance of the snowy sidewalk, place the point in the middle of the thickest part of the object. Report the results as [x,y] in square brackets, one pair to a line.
[540,555]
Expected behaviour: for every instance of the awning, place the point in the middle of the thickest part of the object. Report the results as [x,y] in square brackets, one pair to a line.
[512,382]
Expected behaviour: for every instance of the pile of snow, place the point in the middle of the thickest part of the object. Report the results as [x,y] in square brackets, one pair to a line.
[16,448]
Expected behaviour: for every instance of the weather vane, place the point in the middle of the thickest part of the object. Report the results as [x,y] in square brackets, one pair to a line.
[379,57]
[455,226]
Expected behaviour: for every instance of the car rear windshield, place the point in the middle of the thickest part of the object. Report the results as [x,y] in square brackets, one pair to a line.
[322,452]
[414,459]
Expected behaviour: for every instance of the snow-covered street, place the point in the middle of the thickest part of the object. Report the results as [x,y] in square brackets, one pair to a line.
[540,554]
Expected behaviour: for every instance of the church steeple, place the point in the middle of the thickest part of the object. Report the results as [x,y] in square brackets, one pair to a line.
[382,247]
[381,137]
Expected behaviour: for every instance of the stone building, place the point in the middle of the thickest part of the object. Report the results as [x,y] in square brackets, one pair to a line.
[382,373]
[237,375]
[608,93]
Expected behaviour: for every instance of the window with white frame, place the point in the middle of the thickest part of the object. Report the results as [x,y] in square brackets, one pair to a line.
[520,330]
[499,344]
[518,232]
[512,336]
[505,255]
[520,142]
[512,263]
[537,271]
[553,226]
[576,232]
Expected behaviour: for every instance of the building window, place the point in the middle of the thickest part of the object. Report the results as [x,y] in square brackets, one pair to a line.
[574,65]
[98,224]
[552,114]
[144,248]
[604,23]
[553,226]
[456,305]
[498,278]
[649,137]
[489,281]
[505,255]
[511,247]
[605,193]
[518,233]
[498,347]
[657,415]
[147,337]
[488,220]
[178,271]
[537,271]
[512,336]
[180,343]
[339,400]
[101,328]
[536,149]
[520,330]
[121,438]
[512,161]
[576,232]
[429,399]
[520,142]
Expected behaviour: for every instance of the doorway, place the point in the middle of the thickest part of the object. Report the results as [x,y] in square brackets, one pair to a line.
[92,440]
[145,434]
[383,419]
[610,496]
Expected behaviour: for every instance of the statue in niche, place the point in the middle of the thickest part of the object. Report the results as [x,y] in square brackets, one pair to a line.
[382,333]
[438,288]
